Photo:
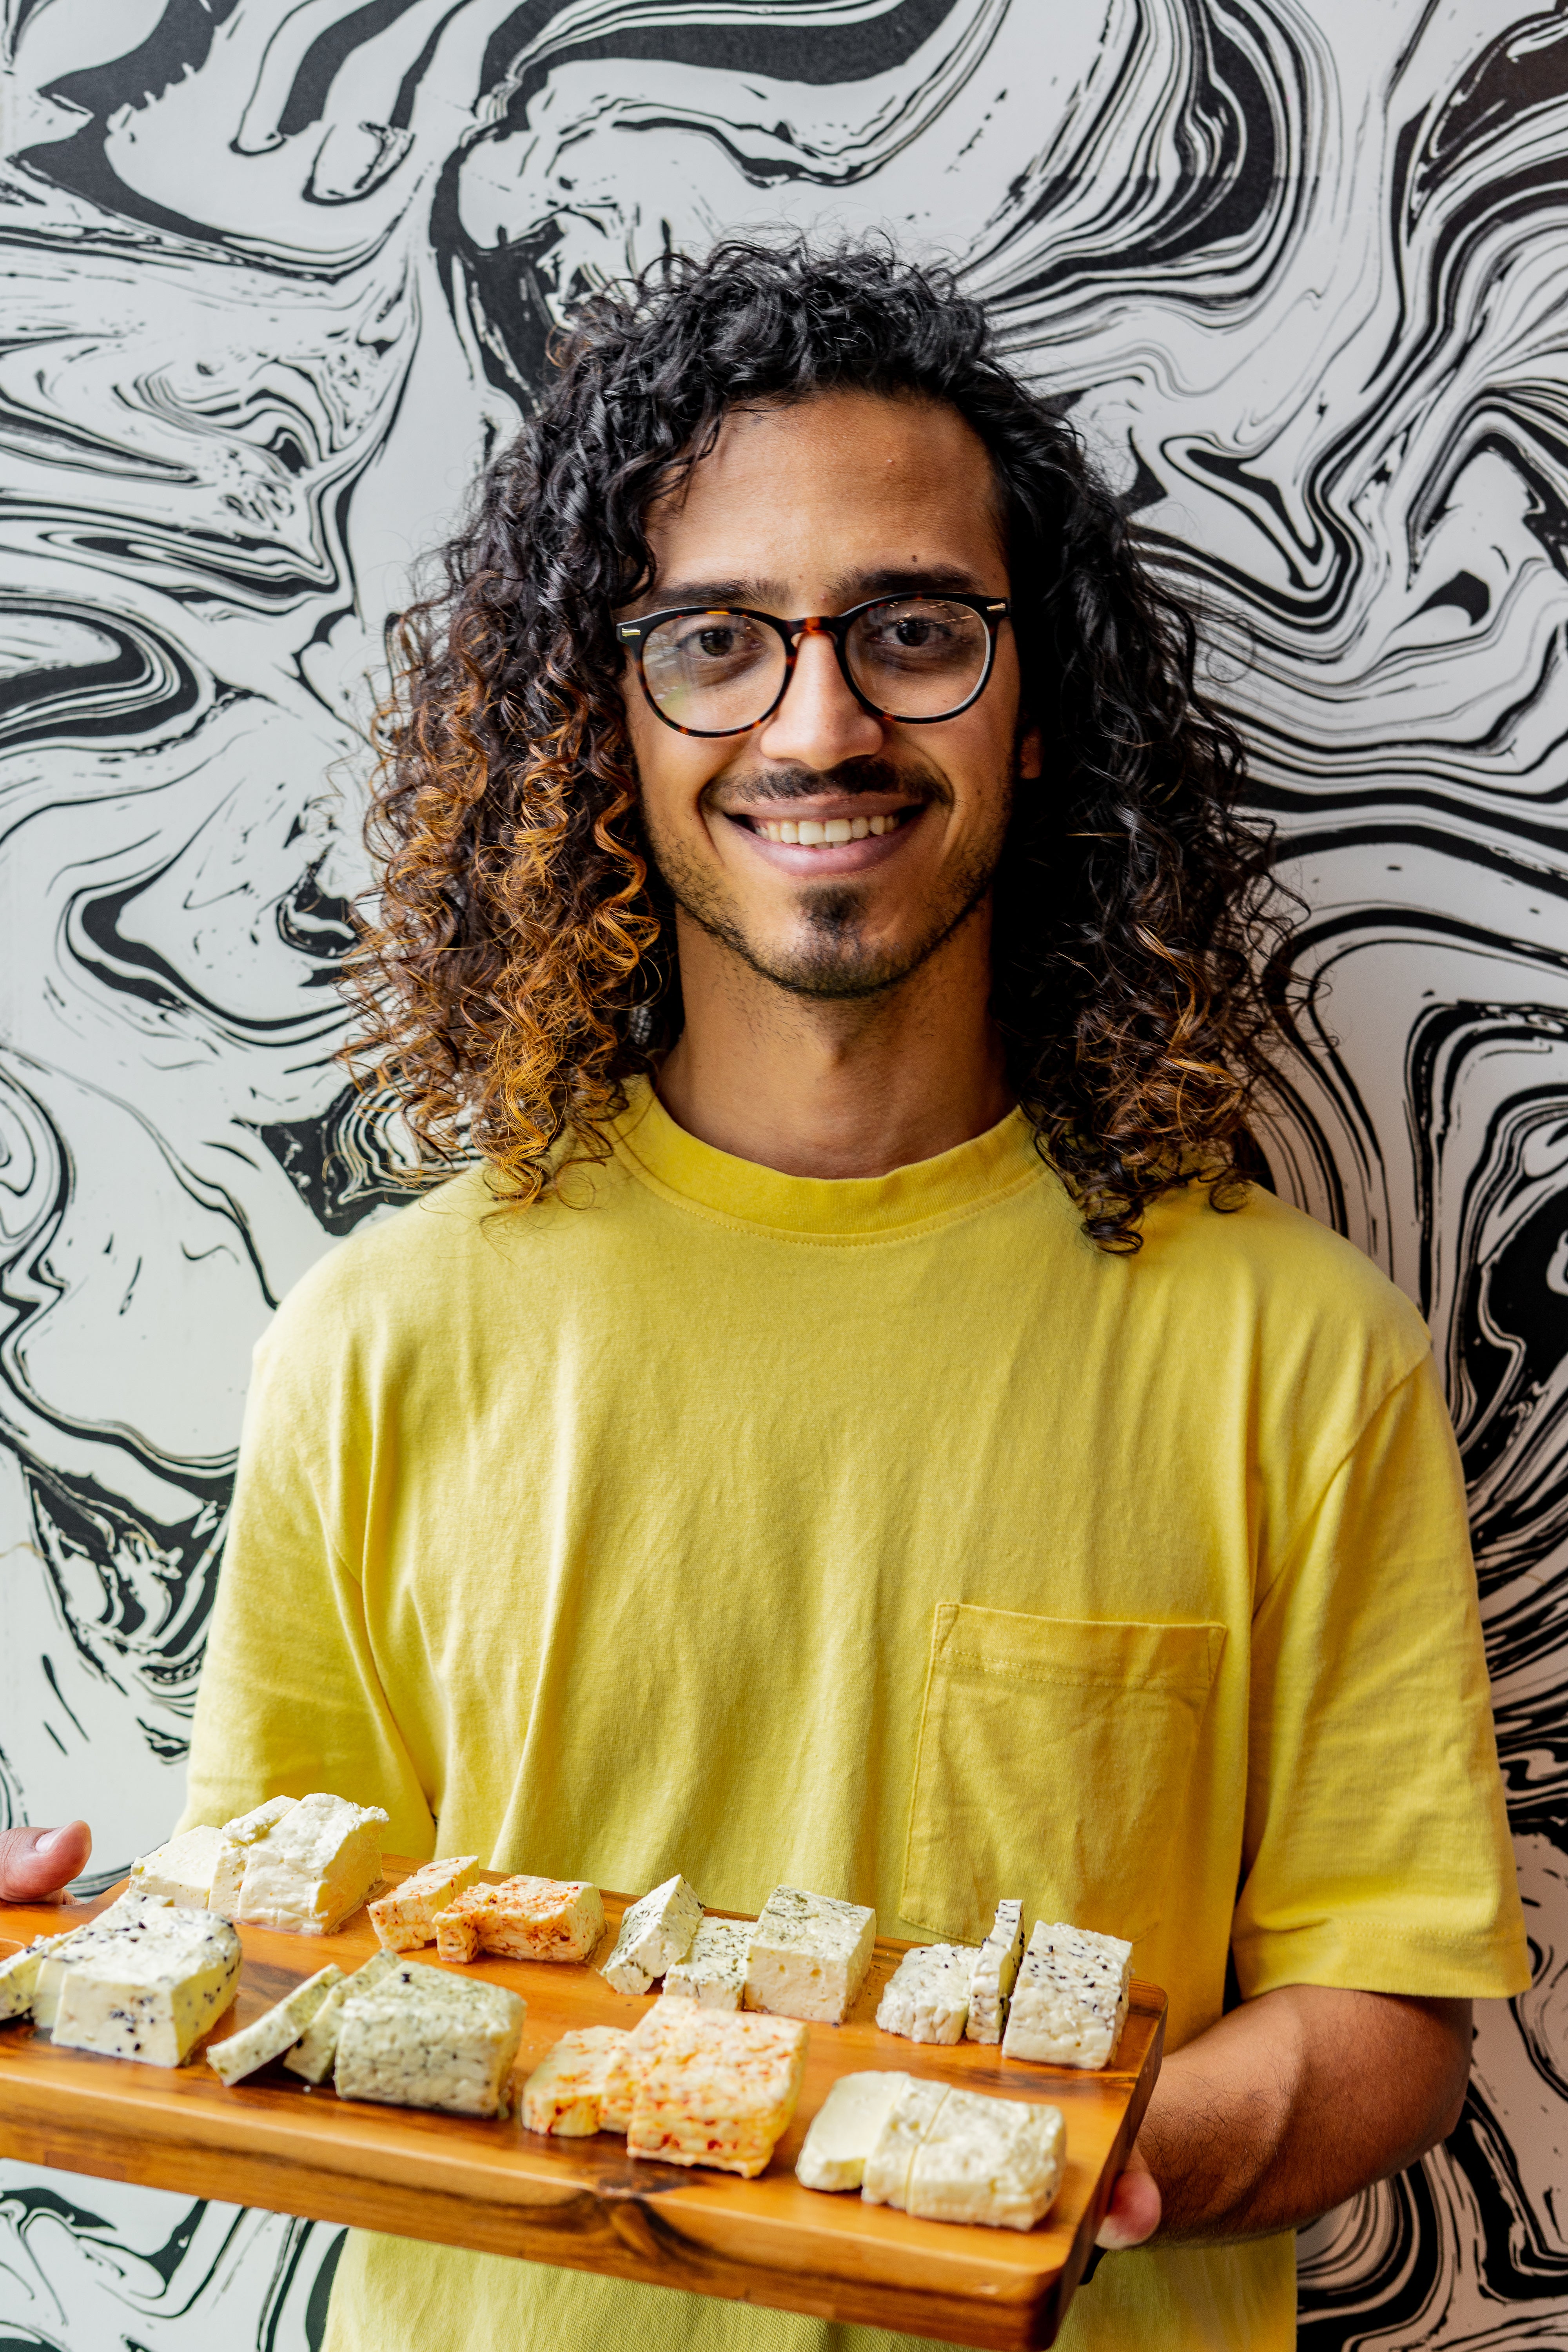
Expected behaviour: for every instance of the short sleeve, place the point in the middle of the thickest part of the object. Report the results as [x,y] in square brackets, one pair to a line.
[290,1699]
[1376,1851]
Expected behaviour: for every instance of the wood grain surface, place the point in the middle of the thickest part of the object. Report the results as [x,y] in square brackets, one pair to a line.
[585,2203]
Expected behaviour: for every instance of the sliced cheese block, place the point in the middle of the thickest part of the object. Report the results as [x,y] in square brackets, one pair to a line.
[907,2120]
[846,2129]
[150,1990]
[276,2031]
[127,1911]
[313,2054]
[655,1933]
[994,1970]
[422,2038]
[621,2073]
[523,1919]
[809,1955]
[993,2160]
[717,2090]
[927,1997]
[713,1973]
[405,1918]
[181,1871]
[1070,2001]
[20,1975]
[565,2093]
[302,1867]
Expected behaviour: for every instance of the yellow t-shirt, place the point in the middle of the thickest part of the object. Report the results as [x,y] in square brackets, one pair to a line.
[881,1537]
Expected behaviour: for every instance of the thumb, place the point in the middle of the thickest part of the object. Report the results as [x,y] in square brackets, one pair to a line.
[1135,2207]
[36,1864]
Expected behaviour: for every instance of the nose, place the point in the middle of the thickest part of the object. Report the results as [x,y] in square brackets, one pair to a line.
[819,722]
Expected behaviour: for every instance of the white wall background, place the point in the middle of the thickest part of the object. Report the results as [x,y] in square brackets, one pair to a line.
[279,272]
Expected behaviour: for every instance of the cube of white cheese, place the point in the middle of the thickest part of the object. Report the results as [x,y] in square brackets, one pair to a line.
[405,1918]
[20,1975]
[302,1867]
[655,1933]
[152,1990]
[927,1997]
[276,2031]
[181,1871]
[313,2055]
[447,2043]
[808,1956]
[565,2094]
[992,1984]
[713,1973]
[906,2124]
[846,2129]
[998,2161]
[1070,2001]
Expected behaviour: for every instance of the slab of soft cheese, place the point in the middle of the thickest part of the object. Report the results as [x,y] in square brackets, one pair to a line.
[1070,2001]
[423,2039]
[405,1918]
[150,1990]
[906,2124]
[716,2089]
[313,2054]
[126,1911]
[808,1956]
[713,1973]
[846,2129]
[299,1866]
[181,1870]
[998,2161]
[20,1975]
[926,1999]
[275,2030]
[565,2093]
[619,2092]
[994,1970]
[655,1934]
[522,1919]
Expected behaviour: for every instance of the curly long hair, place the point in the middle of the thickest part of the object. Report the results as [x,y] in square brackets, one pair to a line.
[516,967]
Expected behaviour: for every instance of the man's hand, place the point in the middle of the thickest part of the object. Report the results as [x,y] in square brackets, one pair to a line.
[36,1864]
[1287,2106]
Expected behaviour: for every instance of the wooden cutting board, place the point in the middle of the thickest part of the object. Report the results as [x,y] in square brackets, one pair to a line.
[585,2203]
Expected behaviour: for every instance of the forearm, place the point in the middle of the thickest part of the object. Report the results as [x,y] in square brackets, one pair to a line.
[1295,2101]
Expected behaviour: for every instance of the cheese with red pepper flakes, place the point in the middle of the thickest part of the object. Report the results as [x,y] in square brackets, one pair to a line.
[621,2073]
[716,2089]
[522,1919]
[565,2093]
[406,1919]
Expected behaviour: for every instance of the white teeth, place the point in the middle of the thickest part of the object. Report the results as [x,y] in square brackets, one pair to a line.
[881,824]
[837,828]
[789,830]
[859,826]
[810,833]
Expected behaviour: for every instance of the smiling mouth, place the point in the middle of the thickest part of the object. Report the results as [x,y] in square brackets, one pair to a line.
[827,833]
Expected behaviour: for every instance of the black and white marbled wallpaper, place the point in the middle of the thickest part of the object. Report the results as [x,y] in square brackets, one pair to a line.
[278,272]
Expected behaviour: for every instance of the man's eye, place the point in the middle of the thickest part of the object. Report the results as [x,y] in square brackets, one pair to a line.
[717,642]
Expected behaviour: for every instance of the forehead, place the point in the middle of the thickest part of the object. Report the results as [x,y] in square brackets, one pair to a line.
[840,483]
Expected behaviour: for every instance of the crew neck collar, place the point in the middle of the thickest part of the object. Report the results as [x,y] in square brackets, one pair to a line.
[955,1184]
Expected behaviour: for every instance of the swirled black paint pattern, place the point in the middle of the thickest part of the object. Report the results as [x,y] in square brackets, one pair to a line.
[280,272]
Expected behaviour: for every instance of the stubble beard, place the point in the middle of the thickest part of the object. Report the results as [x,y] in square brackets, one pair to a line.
[830,959]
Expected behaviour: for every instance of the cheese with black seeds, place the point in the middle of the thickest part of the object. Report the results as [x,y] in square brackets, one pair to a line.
[1070,2001]
[150,1990]
[927,1997]
[995,1967]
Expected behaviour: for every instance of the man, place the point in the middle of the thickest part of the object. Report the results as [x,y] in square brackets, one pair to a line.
[857,1427]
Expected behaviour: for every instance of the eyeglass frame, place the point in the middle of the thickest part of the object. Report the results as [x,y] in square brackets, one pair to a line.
[991,610]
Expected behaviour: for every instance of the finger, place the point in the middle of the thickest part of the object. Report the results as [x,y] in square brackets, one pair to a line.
[1134,2211]
[36,1864]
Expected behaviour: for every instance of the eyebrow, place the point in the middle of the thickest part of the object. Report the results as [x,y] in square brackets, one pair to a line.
[849,588]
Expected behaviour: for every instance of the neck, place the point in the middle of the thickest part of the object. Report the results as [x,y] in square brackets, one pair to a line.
[815,1087]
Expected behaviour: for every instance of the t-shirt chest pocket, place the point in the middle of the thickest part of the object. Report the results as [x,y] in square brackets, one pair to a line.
[1053,1763]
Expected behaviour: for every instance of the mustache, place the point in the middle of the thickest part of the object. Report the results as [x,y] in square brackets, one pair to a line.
[913,780]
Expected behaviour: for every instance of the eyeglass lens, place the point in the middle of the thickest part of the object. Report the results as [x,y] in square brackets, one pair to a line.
[910,656]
